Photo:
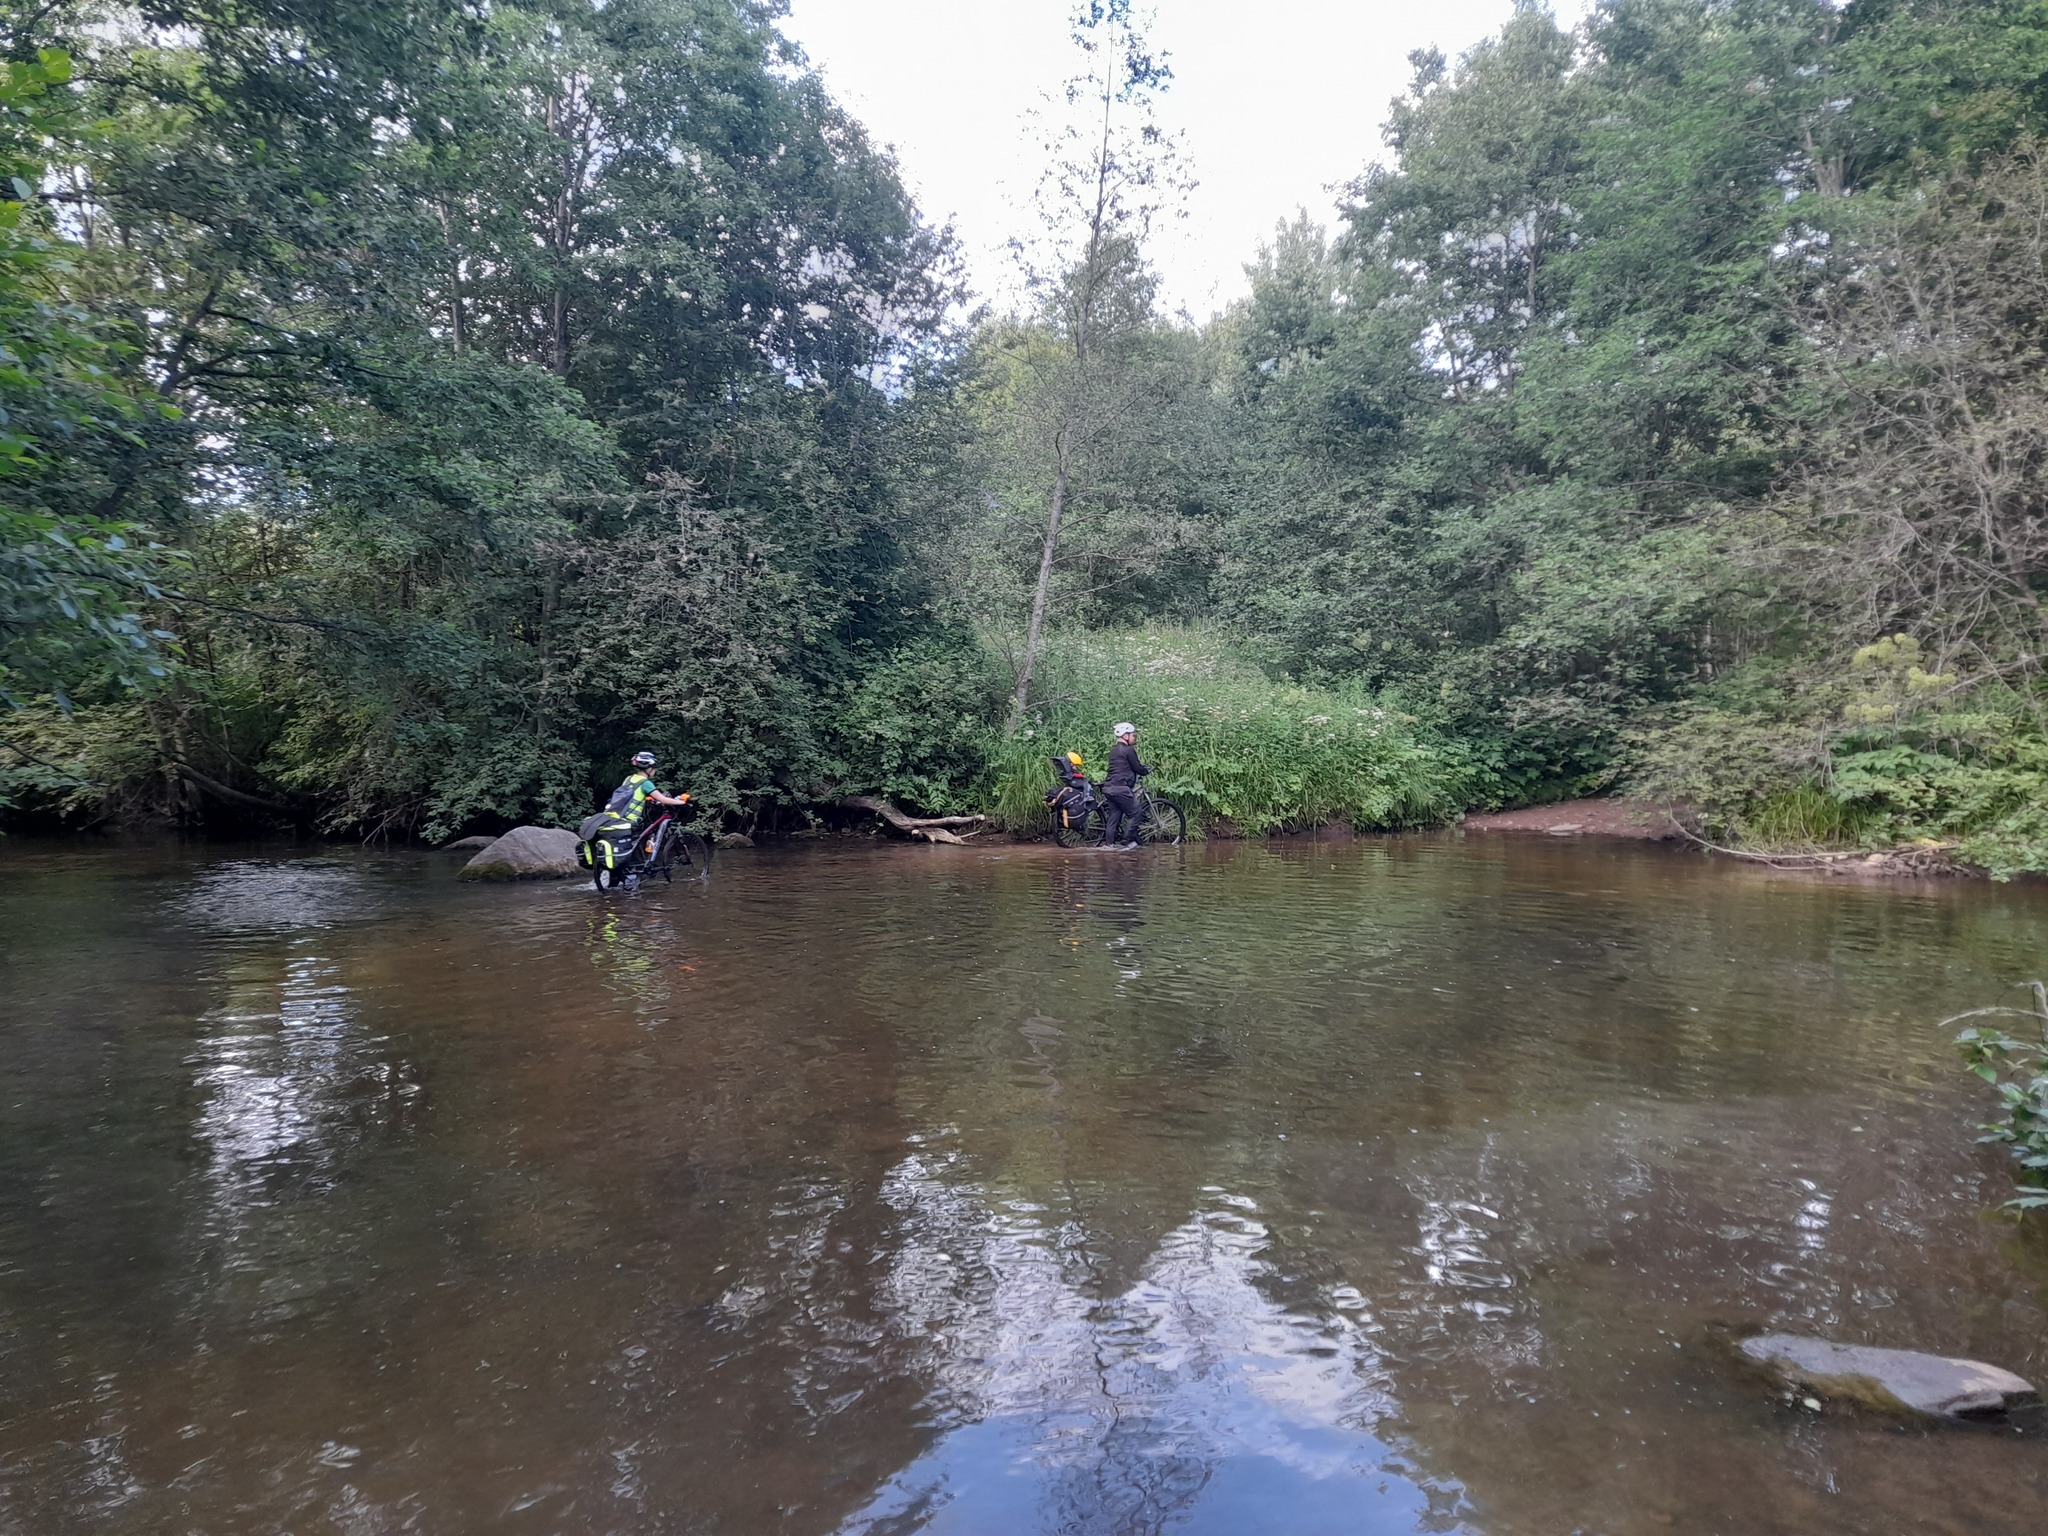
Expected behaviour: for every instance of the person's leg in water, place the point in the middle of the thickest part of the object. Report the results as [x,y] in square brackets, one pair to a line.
[1120,815]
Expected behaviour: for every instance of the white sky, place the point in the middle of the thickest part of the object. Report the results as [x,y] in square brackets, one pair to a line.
[1280,101]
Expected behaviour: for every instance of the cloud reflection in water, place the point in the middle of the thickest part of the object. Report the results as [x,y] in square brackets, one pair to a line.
[292,1088]
[1188,1400]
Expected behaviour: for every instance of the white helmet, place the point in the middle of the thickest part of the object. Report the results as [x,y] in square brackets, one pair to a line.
[1124,728]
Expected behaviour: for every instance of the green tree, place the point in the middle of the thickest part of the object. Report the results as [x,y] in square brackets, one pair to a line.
[77,587]
[1071,398]
[441,306]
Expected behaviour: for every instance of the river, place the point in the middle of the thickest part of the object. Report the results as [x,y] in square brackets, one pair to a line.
[1403,1185]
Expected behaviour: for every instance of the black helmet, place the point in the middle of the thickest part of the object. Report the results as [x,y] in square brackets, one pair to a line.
[643,759]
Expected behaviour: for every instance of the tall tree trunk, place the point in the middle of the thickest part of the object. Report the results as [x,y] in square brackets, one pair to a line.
[1091,278]
[456,320]
[567,124]
[1042,594]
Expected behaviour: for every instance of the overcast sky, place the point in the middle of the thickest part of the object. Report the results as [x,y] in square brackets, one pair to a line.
[1280,100]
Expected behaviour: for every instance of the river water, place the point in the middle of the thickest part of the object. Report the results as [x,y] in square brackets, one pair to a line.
[1404,1185]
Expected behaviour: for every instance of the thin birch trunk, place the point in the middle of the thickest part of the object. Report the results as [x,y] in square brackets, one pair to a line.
[1041,596]
[456,319]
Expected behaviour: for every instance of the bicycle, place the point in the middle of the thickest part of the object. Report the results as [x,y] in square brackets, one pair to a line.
[656,849]
[1159,821]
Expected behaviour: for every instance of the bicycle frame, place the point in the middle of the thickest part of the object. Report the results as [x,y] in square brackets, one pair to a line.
[649,842]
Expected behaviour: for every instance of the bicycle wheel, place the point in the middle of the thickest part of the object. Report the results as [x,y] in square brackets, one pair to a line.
[694,850]
[1077,833]
[1162,823]
[606,880]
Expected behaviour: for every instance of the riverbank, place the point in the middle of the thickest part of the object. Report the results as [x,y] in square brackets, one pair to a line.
[1638,820]
[1649,821]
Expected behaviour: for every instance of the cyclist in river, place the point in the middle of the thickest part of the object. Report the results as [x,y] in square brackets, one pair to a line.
[629,801]
[1120,788]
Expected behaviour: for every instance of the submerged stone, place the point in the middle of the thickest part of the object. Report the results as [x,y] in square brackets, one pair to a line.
[526,853]
[1891,1380]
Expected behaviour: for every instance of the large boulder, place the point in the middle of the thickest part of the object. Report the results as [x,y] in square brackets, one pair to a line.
[526,853]
[1892,1380]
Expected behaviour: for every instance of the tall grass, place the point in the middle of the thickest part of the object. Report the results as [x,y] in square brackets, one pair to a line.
[1225,742]
[1805,816]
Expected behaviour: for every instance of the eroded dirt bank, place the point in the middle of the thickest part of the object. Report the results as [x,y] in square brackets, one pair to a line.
[1647,821]
[1642,820]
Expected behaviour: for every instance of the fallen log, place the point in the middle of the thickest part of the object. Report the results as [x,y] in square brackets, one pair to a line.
[933,829]
[1922,858]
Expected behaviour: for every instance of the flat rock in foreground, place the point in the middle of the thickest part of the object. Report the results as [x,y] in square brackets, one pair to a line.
[1896,1380]
[526,853]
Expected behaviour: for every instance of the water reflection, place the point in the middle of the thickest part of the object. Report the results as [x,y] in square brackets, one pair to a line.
[273,1069]
[292,1087]
[1390,1188]
[1098,902]
[1189,1399]
[251,896]
[629,958]
[639,944]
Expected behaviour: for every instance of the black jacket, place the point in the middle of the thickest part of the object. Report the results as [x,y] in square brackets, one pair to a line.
[1124,768]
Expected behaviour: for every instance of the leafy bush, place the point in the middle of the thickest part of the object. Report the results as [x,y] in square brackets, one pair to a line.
[2018,1069]
[920,725]
[1733,751]
[1226,741]
[1875,755]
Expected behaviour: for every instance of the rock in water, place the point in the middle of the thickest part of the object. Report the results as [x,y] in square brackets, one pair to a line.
[1896,1380]
[526,853]
[468,842]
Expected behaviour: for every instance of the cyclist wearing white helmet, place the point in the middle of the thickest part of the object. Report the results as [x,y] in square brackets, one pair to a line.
[1120,787]
[629,801]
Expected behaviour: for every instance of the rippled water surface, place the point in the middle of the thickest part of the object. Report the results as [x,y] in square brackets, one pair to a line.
[1390,1186]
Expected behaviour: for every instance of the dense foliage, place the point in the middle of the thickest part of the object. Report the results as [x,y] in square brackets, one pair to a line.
[522,382]
[73,577]
[446,398]
[2018,1070]
[1226,743]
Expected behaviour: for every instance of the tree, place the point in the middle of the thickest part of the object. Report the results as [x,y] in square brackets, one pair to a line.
[75,585]
[1936,469]
[442,305]
[1111,172]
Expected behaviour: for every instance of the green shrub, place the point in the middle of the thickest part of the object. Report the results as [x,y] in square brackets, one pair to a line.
[920,726]
[1225,741]
[2018,1069]
[1875,755]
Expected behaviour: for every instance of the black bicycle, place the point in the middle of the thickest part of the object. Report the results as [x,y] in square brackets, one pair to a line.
[656,849]
[1159,821]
